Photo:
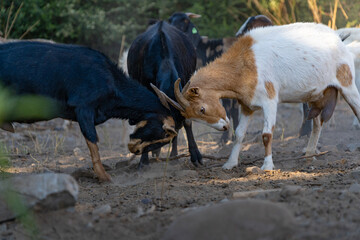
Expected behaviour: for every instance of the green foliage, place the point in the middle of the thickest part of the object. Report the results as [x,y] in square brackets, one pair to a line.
[101,24]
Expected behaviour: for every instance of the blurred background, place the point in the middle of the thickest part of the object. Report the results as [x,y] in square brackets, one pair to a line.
[106,25]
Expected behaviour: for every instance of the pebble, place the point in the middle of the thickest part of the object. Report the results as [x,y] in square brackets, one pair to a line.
[356,173]
[254,170]
[102,210]
[355,188]
[79,154]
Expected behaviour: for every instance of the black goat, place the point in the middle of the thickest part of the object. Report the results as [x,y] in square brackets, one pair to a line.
[88,88]
[160,56]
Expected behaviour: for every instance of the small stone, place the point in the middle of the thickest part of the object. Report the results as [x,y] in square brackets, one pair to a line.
[355,188]
[353,147]
[3,228]
[254,170]
[102,210]
[79,154]
[356,173]
[290,190]
[146,201]
[121,164]
[341,147]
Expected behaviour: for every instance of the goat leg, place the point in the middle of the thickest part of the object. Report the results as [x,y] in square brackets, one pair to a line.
[195,154]
[95,158]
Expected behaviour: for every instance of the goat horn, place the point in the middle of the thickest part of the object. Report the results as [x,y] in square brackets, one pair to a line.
[186,87]
[192,15]
[179,96]
[164,99]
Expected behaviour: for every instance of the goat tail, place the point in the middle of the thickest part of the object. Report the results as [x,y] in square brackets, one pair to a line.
[354,48]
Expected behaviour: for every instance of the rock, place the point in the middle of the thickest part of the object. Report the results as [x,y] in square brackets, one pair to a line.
[239,219]
[42,192]
[356,173]
[352,147]
[102,210]
[254,193]
[254,170]
[146,201]
[341,147]
[290,190]
[355,188]
[121,164]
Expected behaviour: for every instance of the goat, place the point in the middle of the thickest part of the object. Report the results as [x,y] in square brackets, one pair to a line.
[263,21]
[351,35]
[88,88]
[300,62]
[207,50]
[159,56]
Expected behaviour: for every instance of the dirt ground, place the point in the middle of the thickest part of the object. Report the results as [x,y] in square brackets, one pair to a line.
[144,203]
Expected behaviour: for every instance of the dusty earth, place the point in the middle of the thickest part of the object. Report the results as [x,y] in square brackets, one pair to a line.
[144,203]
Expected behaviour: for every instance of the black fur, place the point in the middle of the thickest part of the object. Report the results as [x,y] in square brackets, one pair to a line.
[86,86]
[160,56]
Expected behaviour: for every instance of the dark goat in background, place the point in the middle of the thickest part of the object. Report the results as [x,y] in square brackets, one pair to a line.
[88,88]
[160,56]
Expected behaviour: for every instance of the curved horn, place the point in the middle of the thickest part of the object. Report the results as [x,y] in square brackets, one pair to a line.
[179,96]
[192,15]
[164,99]
[186,87]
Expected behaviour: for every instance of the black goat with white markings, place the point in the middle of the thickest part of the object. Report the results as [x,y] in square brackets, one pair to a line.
[88,88]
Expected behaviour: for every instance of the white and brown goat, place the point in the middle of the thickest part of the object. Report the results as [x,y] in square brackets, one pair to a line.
[300,62]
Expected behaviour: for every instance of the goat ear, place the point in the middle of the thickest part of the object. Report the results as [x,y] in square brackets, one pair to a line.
[192,15]
[164,99]
[193,92]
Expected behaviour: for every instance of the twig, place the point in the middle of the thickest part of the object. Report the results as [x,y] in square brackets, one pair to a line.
[301,157]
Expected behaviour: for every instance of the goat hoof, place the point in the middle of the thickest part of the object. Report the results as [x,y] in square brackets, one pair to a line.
[105,177]
[267,167]
[229,165]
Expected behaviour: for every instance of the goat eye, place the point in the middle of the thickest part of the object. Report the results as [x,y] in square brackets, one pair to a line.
[167,135]
[202,110]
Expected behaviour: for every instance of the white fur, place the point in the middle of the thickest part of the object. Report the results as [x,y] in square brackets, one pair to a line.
[268,163]
[127,129]
[218,126]
[301,61]
[353,42]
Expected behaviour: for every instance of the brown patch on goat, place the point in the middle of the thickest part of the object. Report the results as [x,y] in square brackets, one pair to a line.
[267,140]
[325,105]
[270,90]
[233,75]
[344,76]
